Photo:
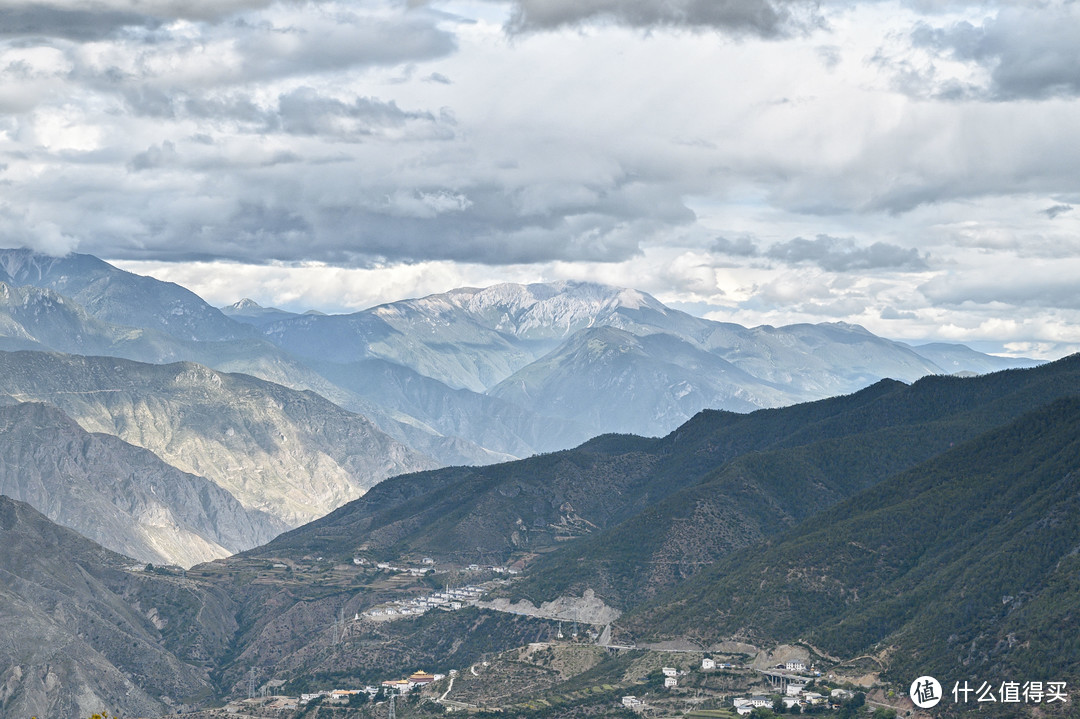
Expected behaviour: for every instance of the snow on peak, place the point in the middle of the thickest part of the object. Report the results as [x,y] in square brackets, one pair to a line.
[245,304]
[547,308]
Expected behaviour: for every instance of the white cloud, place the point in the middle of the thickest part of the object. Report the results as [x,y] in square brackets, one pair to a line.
[334,154]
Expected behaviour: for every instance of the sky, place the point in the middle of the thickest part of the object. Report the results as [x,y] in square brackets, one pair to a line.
[909,166]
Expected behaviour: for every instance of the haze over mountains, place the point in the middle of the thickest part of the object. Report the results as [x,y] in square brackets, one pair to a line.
[467,377]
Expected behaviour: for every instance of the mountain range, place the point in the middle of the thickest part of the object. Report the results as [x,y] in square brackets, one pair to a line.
[429,371]
[712,482]
[468,377]
[923,528]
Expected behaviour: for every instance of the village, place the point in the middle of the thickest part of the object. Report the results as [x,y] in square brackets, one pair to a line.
[448,600]
[697,685]
[648,681]
[792,678]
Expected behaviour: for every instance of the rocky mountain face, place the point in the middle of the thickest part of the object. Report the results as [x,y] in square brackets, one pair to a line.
[293,455]
[121,496]
[80,631]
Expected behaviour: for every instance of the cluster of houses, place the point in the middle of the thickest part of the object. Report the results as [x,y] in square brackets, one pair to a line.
[493,568]
[428,562]
[398,686]
[793,694]
[428,565]
[448,601]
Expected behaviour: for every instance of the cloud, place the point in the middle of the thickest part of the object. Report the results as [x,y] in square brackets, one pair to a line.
[305,112]
[1044,284]
[1055,210]
[764,18]
[1028,51]
[84,22]
[891,313]
[78,20]
[69,23]
[844,255]
[307,42]
[150,67]
[741,247]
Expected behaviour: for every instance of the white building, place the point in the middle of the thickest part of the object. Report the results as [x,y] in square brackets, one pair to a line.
[670,672]
[794,690]
[708,663]
[670,682]
[795,666]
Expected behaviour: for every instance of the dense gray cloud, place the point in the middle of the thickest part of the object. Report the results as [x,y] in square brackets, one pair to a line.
[837,254]
[1055,210]
[320,43]
[740,247]
[70,24]
[766,18]
[83,21]
[1029,51]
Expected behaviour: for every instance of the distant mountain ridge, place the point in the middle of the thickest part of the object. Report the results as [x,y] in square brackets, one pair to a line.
[528,344]
[119,297]
[524,346]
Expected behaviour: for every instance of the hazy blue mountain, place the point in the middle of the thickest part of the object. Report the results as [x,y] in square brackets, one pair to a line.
[612,381]
[451,426]
[470,376]
[959,359]
[489,421]
[531,345]
[119,495]
[292,454]
[32,318]
[120,297]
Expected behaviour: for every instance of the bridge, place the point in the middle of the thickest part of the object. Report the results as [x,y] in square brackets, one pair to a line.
[780,678]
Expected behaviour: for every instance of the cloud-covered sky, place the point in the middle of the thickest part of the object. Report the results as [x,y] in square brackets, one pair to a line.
[905,165]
